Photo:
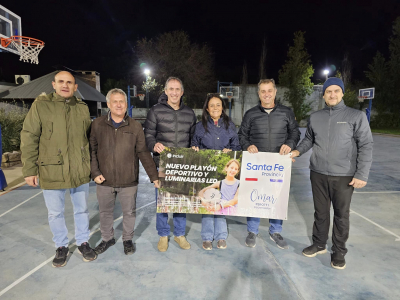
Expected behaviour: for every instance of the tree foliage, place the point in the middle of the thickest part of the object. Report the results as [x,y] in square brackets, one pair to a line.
[173,54]
[11,121]
[296,76]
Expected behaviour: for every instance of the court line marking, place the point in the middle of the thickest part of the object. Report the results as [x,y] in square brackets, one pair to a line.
[20,204]
[51,258]
[13,188]
[377,225]
[382,192]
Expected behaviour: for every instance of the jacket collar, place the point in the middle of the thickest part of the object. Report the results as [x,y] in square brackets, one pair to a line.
[211,121]
[263,108]
[125,120]
[57,98]
[338,106]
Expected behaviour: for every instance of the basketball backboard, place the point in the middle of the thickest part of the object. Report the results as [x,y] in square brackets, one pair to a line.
[10,25]
[229,92]
[368,93]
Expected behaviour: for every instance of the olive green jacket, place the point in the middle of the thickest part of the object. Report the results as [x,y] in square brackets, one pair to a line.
[54,142]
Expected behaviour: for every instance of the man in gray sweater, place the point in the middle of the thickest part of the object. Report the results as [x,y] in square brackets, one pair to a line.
[342,155]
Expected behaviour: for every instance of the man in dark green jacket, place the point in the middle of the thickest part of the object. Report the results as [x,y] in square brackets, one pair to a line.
[55,150]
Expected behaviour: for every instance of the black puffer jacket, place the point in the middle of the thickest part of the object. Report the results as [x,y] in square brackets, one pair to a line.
[172,128]
[268,132]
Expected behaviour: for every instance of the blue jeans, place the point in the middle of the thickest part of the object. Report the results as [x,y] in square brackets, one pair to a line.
[163,227]
[254,223]
[55,203]
[213,227]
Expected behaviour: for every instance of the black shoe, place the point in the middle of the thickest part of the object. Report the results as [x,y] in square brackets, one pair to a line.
[337,261]
[87,252]
[103,246]
[129,247]
[60,260]
[313,250]
[251,240]
[278,239]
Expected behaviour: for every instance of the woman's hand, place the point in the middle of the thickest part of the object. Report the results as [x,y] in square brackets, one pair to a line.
[195,148]
[226,150]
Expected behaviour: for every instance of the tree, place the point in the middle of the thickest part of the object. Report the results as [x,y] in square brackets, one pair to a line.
[173,54]
[296,76]
[244,82]
[262,70]
[394,65]
[110,84]
[379,74]
[151,85]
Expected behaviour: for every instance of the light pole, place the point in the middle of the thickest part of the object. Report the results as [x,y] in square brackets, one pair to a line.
[326,72]
[147,73]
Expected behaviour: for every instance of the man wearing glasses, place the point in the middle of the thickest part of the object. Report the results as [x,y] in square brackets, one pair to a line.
[268,127]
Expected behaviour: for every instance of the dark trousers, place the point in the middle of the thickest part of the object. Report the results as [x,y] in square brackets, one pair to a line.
[335,189]
[127,197]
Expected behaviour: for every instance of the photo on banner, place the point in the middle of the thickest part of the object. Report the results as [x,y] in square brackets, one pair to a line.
[235,183]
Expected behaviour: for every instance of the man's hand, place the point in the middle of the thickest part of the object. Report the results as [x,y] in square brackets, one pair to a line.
[99,179]
[156,184]
[158,147]
[252,149]
[285,149]
[357,183]
[195,148]
[226,150]
[294,153]
[32,180]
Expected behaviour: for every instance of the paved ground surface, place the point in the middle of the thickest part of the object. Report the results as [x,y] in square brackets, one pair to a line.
[239,272]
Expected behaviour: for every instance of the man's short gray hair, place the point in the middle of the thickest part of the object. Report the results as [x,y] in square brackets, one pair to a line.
[115,91]
[266,81]
[173,78]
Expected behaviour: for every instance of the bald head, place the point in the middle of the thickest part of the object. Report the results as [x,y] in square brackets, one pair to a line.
[64,84]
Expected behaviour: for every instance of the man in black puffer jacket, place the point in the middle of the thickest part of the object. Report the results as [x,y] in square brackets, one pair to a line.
[170,123]
[268,127]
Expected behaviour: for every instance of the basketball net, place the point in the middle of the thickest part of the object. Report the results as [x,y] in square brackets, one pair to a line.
[28,48]
[361,98]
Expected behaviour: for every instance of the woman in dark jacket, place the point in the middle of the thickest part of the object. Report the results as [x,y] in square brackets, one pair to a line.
[217,132]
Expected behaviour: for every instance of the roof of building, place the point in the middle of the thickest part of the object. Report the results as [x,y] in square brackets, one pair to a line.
[42,84]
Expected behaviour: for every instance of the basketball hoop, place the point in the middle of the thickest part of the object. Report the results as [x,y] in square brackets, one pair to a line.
[28,48]
[361,98]
[141,97]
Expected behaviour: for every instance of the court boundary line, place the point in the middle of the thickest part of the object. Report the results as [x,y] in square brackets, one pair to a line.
[377,225]
[20,204]
[22,278]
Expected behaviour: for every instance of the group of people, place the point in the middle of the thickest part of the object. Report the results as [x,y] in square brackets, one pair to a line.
[63,150]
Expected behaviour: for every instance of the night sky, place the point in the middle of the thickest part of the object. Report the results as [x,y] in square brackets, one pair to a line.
[88,35]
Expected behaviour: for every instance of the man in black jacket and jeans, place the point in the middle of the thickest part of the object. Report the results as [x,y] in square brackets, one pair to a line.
[170,123]
[268,127]
[341,140]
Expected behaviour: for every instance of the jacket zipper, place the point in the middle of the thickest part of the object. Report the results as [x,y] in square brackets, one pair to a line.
[329,130]
[115,163]
[176,129]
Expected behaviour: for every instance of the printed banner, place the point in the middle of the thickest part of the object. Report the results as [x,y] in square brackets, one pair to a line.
[235,183]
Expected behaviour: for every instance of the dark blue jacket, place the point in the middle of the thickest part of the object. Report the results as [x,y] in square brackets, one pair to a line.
[217,137]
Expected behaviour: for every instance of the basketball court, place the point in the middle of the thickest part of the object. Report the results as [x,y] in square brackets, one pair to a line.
[239,272]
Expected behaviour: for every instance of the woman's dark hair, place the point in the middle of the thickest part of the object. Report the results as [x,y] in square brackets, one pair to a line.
[206,115]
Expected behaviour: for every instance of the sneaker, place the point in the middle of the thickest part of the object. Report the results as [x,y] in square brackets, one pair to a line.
[278,239]
[313,250]
[129,247]
[60,259]
[103,246]
[207,245]
[337,261]
[221,244]
[251,240]
[163,244]
[182,242]
[87,252]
